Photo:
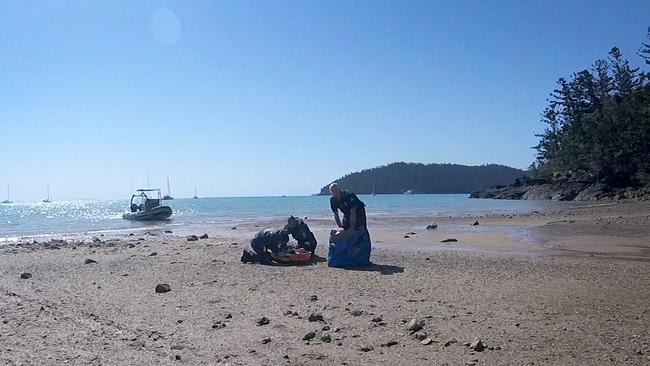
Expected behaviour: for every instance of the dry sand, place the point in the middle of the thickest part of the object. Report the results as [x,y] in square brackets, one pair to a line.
[566,287]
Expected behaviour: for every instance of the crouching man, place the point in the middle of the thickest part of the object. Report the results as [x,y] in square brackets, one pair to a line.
[267,245]
[301,233]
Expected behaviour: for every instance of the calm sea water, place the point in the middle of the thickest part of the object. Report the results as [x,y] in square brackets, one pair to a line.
[86,217]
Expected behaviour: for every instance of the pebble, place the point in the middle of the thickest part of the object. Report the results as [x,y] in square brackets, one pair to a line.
[192,238]
[168,232]
[25,275]
[309,336]
[475,223]
[266,340]
[161,288]
[432,227]
[177,357]
[313,298]
[477,345]
[449,342]
[377,319]
[356,312]
[420,336]
[315,318]
[325,337]
[366,348]
[153,254]
[89,261]
[414,325]
[218,325]
[326,327]
[204,236]
[426,341]
[263,321]
[390,344]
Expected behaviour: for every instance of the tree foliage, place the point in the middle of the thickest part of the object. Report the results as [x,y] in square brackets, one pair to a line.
[598,124]
[427,178]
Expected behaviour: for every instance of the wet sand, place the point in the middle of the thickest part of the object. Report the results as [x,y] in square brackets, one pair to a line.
[557,287]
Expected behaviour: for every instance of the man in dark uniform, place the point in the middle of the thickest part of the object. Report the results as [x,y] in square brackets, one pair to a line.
[300,231]
[354,211]
[265,241]
[350,245]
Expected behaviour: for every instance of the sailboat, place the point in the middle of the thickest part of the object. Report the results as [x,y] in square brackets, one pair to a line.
[48,199]
[168,196]
[195,196]
[7,200]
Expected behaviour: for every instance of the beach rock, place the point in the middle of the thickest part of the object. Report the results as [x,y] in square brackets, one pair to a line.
[366,348]
[218,325]
[96,240]
[421,335]
[192,238]
[475,223]
[168,232]
[266,340]
[315,318]
[414,325]
[262,321]
[153,254]
[449,342]
[325,327]
[449,240]
[390,344]
[406,236]
[177,357]
[377,319]
[356,312]
[426,341]
[89,261]
[204,236]
[161,288]
[309,336]
[313,298]
[325,337]
[432,227]
[233,228]
[477,345]
[25,275]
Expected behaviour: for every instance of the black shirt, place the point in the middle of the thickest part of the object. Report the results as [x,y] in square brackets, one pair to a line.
[271,239]
[349,202]
[303,236]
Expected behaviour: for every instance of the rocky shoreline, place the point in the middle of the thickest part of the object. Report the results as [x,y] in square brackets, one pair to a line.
[565,191]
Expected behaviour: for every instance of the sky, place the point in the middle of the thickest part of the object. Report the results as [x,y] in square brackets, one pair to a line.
[263,97]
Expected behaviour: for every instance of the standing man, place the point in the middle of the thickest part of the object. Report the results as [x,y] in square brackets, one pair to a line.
[354,211]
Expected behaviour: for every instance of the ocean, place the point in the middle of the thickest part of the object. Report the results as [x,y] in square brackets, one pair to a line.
[86,217]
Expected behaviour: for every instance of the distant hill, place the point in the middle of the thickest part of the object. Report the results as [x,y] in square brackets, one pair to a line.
[397,178]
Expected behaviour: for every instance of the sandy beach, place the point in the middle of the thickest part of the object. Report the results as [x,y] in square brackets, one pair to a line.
[563,287]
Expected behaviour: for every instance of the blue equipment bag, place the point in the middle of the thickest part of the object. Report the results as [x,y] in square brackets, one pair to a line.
[350,252]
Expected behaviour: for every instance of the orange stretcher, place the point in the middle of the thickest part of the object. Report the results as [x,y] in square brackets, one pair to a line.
[299,255]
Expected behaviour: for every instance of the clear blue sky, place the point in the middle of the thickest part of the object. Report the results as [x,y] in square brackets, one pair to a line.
[280,97]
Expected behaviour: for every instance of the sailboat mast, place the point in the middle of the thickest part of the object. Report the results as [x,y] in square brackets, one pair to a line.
[7,192]
[169,191]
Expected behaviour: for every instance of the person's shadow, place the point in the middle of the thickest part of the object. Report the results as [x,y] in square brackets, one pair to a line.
[384,269]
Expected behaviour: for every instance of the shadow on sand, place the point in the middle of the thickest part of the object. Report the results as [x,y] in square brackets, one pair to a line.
[384,269]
